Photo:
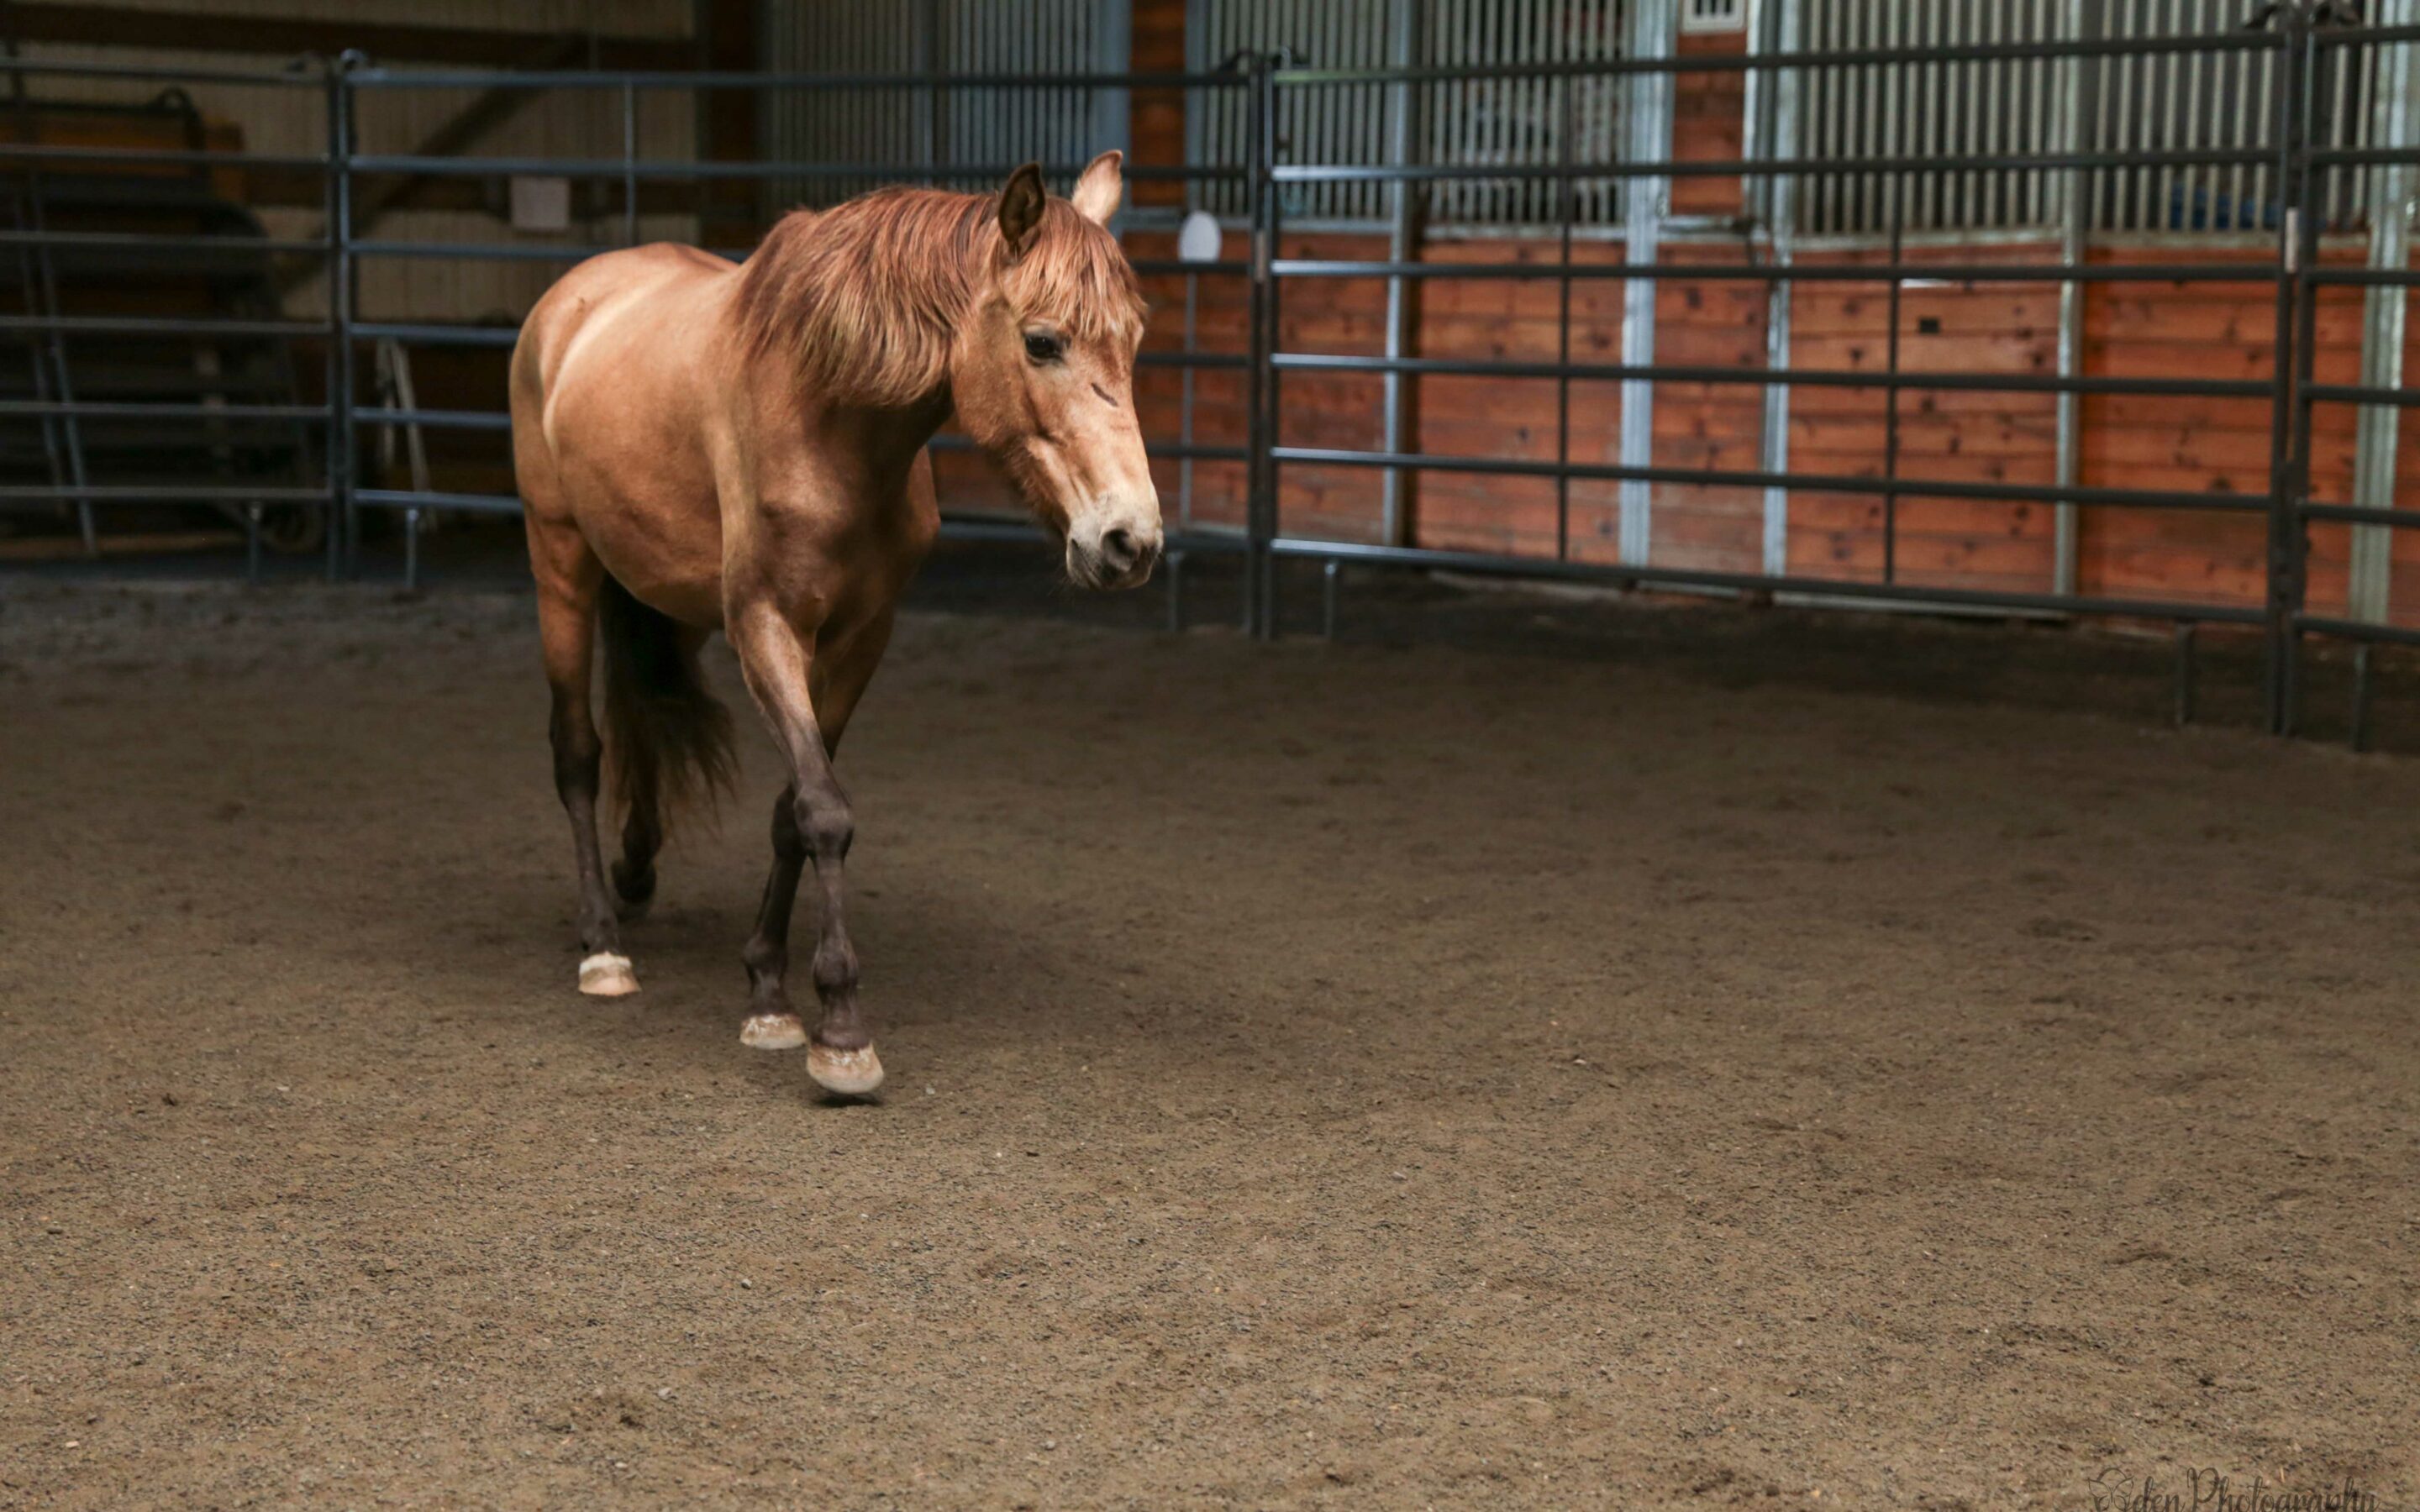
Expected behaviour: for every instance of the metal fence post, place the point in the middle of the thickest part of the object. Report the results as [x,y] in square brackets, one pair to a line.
[1259,467]
[344,525]
[2287,435]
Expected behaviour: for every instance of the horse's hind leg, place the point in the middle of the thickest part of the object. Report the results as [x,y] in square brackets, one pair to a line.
[569,576]
[643,832]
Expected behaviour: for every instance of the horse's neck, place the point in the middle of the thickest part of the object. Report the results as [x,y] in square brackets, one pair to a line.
[880,444]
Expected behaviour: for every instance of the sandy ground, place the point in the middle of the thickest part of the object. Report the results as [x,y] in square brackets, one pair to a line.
[1351,1075]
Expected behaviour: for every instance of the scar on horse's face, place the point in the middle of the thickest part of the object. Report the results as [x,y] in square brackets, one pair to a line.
[1046,385]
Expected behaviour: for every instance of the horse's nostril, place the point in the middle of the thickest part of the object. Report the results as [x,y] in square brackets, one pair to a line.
[1118,548]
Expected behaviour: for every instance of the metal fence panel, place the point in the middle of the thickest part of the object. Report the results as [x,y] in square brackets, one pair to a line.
[1985,113]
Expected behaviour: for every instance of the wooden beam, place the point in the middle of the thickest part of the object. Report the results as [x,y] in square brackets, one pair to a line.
[108,25]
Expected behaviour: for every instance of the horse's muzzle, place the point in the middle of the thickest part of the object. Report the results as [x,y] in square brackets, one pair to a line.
[1119,556]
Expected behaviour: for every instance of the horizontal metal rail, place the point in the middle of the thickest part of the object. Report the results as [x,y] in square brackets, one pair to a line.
[1355,172]
[1783,376]
[305,74]
[1804,273]
[437,419]
[2361,514]
[164,493]
[163,243]
[373,164]
[1617,574]
[2014,493]
[2356,630]
[12,153]
[164,410]
[477,503]
[384,78]
[1978,53]
[147,327]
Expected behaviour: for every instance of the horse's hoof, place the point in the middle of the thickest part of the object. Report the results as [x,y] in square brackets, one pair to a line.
[772,1031]
[849,1072]
[607,974]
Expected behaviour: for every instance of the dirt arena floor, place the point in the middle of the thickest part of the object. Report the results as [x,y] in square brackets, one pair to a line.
[1376,1075]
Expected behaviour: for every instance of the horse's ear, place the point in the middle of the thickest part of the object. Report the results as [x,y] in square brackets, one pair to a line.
[1097,192]
[1020,210]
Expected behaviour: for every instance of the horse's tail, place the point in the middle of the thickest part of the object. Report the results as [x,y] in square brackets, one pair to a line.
[668,740]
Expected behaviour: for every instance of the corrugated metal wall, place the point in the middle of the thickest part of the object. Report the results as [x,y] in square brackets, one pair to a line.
[925,131]
[1472,122]
[2141,104]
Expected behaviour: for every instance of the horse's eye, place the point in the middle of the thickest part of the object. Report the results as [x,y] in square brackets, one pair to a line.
[1042,346]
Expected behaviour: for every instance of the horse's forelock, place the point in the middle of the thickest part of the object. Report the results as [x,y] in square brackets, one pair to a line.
[1077,277]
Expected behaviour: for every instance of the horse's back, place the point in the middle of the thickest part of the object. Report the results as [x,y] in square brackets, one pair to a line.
[613,385]
[619,298]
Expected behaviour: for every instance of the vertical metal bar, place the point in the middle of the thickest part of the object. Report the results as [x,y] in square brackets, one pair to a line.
[1331,592]
[340,315]
[1890,382]
[1185,403]
[2096,183]
[2272,85]
[2238,103]
[1980,108]
[1566,187]
[2039,189]
[629,164]
[2167,123]
[2188,671]
[1403,244]
[2358,734]
[2133,78]
[1777,129]
[2308,224]
[1259,469]
[1924,116]
[2288,430]
[1649,139]
[1272,426]
[2074,250]
[1824,116]
[2198,194]
[2378,427]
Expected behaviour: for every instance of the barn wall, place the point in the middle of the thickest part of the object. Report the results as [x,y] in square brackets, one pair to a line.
[2210,329]
[2207,329]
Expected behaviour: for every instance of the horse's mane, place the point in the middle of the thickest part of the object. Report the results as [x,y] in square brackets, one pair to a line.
[865,296]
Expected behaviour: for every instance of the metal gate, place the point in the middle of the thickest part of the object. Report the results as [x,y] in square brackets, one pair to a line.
[1811,168]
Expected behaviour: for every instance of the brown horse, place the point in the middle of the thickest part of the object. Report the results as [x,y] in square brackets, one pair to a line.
[703,446]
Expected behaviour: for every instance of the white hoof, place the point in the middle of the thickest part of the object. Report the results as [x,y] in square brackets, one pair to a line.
[607,975]
[772,1031]
[849,1072]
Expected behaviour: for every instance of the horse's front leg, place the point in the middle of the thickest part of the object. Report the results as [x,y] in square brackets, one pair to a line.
[813,826]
